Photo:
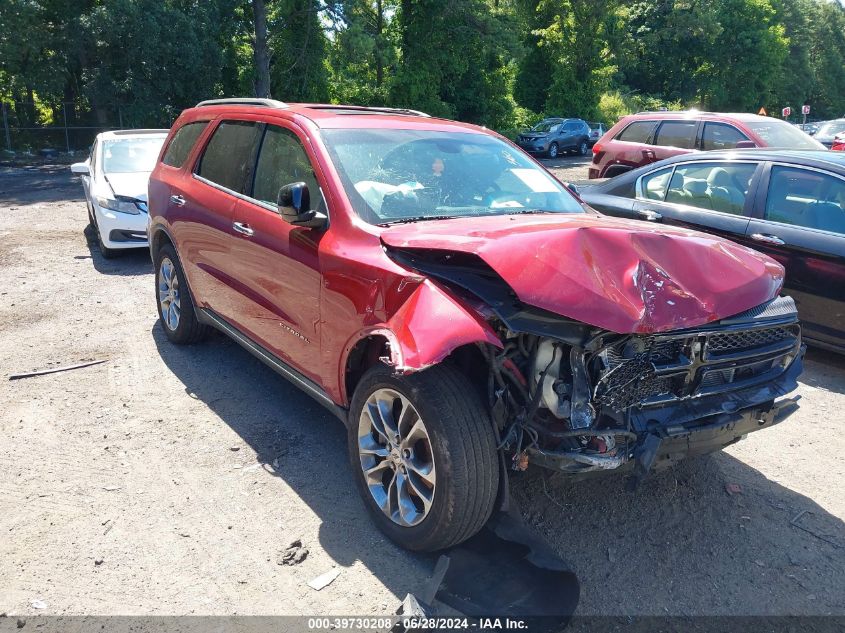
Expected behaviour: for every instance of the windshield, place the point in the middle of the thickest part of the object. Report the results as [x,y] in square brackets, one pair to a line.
[831,128]
[545,126]
[131,155]
[404,175]
[783,135]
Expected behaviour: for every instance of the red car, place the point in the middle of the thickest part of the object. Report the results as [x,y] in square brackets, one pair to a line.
[838,143]
[647,137]
[457,307]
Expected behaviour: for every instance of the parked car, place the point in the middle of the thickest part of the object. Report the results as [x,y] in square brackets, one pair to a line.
[114,178]
[597,130]
[456,306]
[838,144]
[553,136]
[787,204]
[828,130]
[647,137]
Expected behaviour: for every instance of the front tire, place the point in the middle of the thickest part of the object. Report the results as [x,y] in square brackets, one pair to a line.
[105,251]
[554,150]
[582,148]
[424,458]
[175,306]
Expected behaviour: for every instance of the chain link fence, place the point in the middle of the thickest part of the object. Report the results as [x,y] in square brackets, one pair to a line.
[67,129]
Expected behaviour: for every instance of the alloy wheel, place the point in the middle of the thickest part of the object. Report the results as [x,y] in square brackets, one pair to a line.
[168,294]
[396,457]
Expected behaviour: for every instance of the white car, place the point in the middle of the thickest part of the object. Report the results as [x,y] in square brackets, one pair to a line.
[115,178]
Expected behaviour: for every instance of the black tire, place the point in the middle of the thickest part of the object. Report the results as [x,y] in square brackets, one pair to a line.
[105,251]
[464,453]
[582,148]
[554,150]
[188,329]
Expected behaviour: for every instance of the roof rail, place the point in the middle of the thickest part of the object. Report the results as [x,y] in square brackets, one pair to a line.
[674,112]
[375,109]
[141,131]
[246,101]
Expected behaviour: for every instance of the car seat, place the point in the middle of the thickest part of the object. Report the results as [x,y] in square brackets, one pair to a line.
[724,193]
[698,193]
[827,216]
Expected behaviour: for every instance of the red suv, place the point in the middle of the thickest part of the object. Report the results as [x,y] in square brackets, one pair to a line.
[640,139]
[456,306]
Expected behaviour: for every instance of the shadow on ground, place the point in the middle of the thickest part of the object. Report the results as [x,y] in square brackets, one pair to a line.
[132,261]
[680,544]
[300,442]
[38,185]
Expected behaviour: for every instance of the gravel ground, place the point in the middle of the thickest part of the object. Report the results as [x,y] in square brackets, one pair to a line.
[170,480]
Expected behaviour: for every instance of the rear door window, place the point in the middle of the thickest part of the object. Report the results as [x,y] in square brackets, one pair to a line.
[637,132]
[283,161]
[653,186]
[713,186]
[721,136]
[677,134]
[182,143]
[228,157]
[807,198]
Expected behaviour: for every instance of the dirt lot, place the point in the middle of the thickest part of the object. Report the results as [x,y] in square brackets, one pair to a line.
[169,480]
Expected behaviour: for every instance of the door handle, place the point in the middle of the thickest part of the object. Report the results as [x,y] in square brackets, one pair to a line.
[648,214]
[179,201]
[767,239]
[243,229]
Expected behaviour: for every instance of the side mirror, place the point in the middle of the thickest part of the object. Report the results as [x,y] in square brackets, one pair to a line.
[572,188]
[80,168]
[294,203]
[746,145]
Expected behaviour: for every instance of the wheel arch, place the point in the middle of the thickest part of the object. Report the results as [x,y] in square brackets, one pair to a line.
[415,338]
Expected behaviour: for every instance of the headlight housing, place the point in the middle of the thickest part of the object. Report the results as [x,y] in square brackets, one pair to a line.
[121,206]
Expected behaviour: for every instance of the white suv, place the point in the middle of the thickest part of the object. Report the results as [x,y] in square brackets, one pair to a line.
[115,178]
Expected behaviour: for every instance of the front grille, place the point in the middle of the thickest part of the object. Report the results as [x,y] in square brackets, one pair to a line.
[651,369]
[748,339]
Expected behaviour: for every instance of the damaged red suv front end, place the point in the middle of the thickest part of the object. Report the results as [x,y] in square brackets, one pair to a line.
[616,343]
[457,306]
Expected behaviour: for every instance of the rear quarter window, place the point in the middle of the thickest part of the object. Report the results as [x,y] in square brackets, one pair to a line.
[182,142]
[637,132]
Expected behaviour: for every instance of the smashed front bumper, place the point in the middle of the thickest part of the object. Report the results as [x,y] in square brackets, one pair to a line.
[690,427]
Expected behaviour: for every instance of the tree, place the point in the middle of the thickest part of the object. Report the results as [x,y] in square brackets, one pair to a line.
[456,60]
[262,54]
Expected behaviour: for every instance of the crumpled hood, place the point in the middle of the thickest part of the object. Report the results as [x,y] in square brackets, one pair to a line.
[620,275]
[132,185]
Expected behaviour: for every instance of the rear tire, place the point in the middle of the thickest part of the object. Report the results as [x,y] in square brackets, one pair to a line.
[455,451]
[175,307]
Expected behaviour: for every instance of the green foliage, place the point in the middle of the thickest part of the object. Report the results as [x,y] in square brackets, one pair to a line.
[500,63]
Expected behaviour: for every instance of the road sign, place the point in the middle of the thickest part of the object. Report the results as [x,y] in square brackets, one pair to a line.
[805,109]
[763,112]
[786,111]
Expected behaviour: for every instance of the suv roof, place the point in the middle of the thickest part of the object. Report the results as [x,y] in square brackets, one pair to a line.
[696,114]
[326,115]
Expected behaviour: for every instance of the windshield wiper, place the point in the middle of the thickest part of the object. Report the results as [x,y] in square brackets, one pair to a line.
[419,218]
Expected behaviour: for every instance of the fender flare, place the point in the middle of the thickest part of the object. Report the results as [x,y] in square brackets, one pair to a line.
[427,327]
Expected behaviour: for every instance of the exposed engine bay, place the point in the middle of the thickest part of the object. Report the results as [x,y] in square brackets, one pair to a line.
[575,398]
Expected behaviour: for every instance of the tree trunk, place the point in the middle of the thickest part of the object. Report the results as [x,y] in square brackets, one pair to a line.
[262,57]
[379,43]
